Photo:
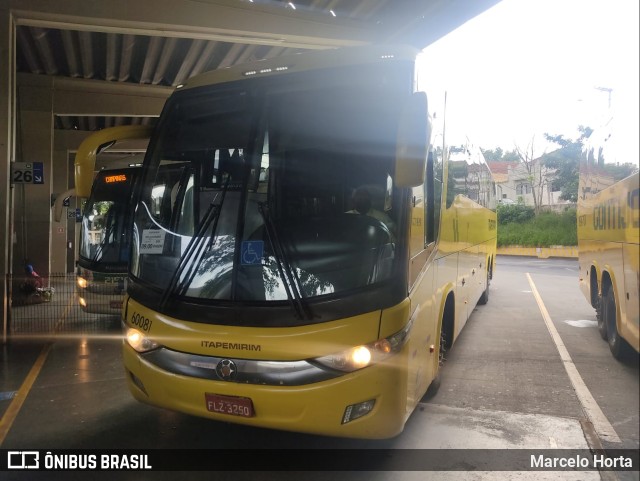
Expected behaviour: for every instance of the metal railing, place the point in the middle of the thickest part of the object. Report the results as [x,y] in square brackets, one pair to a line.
[49,306]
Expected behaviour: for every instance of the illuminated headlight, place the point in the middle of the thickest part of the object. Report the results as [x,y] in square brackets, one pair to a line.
[82,283]
[139,341]
[82,302]
[359,357]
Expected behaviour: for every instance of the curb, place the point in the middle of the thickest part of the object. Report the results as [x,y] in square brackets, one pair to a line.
[540,252]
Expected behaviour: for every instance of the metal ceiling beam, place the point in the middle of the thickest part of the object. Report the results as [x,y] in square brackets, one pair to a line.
[113,41]
[86,54]
[82,97]
[163,63]
[190,59]
[44,48]
[128,43]
[151,59]
[422,22]
[220,20]
[201,64]
[71,52]
[29,51]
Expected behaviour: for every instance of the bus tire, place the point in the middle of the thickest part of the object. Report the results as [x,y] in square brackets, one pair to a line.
[484,298]
[602,327]
[618,346]
[433,388]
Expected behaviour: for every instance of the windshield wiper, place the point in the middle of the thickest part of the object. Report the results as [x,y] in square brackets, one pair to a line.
[291,281]
[195,246]
[104,244]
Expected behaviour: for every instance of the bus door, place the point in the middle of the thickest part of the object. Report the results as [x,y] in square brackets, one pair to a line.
[421,282]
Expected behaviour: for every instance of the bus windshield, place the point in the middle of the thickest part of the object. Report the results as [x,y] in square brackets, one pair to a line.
[277,192]
[106,218]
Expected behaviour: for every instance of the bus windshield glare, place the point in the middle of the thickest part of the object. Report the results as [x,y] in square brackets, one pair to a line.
[273,192]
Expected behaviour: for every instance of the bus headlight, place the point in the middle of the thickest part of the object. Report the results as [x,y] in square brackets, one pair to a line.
[139,341]
[349,360]
[359,357]
[82,283]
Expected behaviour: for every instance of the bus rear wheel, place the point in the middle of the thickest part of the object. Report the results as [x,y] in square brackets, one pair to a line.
[618,346]
[602,326]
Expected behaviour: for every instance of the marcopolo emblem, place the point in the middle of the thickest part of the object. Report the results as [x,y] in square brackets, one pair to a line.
[226,370]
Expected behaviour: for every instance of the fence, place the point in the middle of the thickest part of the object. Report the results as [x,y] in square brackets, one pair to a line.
[49,306]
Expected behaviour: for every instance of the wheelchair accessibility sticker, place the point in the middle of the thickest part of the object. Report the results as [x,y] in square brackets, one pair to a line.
[251,252]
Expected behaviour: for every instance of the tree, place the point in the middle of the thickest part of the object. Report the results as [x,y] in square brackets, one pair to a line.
[498,155]
[537,174]
[565,162]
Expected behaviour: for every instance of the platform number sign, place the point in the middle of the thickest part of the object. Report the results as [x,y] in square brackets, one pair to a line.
[27,173]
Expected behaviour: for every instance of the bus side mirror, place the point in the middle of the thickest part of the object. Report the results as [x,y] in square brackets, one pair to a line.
[414,132]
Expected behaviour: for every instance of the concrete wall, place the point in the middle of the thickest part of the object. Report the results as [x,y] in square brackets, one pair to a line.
[32,202]
[50,246]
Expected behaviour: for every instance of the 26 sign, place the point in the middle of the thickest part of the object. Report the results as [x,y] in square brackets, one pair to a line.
[27,173]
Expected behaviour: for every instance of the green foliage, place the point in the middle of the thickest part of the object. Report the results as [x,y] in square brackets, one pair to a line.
[566,162]
[518,213]
[545,230]
[497,154]
[619,171]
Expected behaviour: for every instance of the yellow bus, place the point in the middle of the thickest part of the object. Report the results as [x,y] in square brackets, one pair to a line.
[608,230]
[107,216]
[299,263]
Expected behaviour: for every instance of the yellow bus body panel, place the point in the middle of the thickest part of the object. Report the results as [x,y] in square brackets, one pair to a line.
[275,343]
[608,241]
[314,408]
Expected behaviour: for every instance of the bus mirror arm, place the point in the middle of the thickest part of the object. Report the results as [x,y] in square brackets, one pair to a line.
[58,205]
[414,133]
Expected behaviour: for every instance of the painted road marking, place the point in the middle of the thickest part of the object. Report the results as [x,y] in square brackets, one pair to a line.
[16,404]
[589,405]
[20,397]
[582,323]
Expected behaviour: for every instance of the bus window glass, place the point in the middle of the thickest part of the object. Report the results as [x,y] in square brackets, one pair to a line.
[274,189]
[470,176]
[106,219]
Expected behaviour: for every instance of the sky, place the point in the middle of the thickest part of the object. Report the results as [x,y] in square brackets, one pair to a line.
[526,67]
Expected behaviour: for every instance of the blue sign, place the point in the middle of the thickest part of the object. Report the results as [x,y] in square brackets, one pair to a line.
[251,253]
[38,173]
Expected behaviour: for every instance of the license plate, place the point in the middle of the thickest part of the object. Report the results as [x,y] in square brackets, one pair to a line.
[232,405]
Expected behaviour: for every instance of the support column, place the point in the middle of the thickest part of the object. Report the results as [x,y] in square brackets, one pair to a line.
[6,153]
[63,233]
[59,230]
[32,202]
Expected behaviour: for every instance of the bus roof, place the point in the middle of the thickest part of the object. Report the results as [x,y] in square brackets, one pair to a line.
[303,62]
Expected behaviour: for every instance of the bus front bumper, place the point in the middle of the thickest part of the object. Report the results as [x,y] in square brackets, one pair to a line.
[317,408]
